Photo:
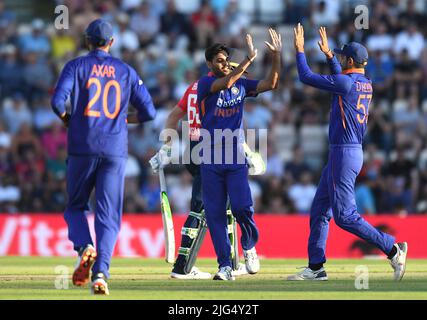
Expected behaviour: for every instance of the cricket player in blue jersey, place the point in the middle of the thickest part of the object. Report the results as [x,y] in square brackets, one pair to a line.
[352,94]
[100,87]
[220,99]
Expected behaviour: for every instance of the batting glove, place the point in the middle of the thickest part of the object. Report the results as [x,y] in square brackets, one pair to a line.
[255,162]
[161,158]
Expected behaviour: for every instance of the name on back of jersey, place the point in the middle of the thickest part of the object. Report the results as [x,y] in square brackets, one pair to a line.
[103,71]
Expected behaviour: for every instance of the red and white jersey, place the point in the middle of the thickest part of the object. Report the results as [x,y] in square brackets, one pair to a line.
[188,104]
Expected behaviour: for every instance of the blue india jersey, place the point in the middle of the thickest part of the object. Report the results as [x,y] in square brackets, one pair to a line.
[352,95]
[100,88]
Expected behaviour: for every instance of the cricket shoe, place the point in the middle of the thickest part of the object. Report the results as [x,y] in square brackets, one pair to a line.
[308,274]
[251,260]
[99,285]
[398,262]
[224,273]
[240,271]
[195,274]
[87,257]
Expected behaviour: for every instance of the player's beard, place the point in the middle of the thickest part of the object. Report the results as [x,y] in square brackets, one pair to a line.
[221,72]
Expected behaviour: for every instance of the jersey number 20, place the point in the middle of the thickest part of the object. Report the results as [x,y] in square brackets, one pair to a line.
[94,113]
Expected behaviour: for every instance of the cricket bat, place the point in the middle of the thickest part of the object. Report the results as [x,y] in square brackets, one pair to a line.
[167,220]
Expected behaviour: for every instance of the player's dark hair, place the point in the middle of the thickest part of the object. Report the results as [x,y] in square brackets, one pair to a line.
[359,65]
[214,49]
[96,42]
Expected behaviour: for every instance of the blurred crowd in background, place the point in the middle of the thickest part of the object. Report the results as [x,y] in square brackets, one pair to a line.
[165,41]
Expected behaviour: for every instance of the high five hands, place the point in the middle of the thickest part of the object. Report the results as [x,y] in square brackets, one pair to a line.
[299,38]
[276,41]
[275,45]
[323,43]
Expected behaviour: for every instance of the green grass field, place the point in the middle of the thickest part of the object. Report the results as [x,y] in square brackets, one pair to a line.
[34,278]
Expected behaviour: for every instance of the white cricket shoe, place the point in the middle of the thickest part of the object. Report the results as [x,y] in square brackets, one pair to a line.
[99,285]
[251,260]
[240,271]
[224,273]
[195,274]
[308,274]
[398,262]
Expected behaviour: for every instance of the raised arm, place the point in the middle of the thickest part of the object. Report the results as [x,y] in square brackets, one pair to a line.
[272,80]
[334,65]
[228,81]
[337,83]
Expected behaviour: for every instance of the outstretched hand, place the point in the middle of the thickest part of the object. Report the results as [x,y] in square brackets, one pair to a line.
[252,52]
[323,43]
[276,41]
[299,38]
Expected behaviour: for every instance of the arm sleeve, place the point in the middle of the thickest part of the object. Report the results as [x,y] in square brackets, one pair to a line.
[250,87]
[204,88]
[140,98]
[336,83]
[63,89]
[334,65]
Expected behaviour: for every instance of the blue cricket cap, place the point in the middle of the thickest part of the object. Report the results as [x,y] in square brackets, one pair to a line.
[354,50]
[99,32]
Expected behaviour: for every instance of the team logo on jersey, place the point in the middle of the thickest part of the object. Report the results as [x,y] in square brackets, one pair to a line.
[235,90]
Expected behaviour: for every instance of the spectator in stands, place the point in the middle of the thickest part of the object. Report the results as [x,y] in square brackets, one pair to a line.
[234,21]
[36,41]
[25,140]
[206,24]
[411,15]
[326,13]
[403,179]
[380,40]
[154,63]
[16,112]
[407,76]
[302,193]
[275,164]
[150,191]
[123,36]
[56,167]
[396,198]
[145,23]
[297,166]
[423,62]
[365,200]
[38,76]
[411,40]
[398,114]
[11,75]
[256,116]
[380,70]
[180,194]
[53,139]
[43,117]
[62,43]
[175,26]
[380,128]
